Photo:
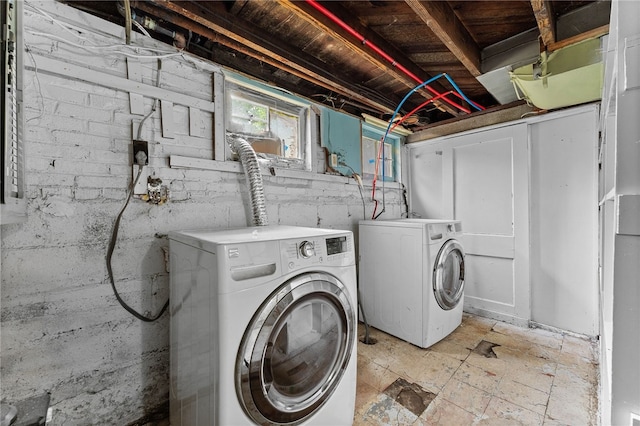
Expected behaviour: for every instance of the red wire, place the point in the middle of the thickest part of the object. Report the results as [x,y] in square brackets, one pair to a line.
[378,155]
[422,105]
[380,52]
[393,62]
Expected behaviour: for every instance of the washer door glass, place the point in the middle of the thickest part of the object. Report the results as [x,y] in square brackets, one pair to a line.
[448,275]
[295,350]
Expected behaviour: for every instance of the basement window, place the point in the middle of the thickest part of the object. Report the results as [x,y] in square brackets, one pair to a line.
[371,139]
[275,125]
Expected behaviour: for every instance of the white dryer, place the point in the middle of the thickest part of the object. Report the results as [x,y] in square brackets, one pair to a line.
[411,277]
[263,327]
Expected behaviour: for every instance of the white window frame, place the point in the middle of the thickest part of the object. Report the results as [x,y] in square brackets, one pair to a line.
[274,99]
[391,163]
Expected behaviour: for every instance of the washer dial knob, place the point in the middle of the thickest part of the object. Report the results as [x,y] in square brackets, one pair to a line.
[307,249]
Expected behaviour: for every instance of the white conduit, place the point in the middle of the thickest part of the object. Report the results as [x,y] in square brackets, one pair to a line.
[249,161]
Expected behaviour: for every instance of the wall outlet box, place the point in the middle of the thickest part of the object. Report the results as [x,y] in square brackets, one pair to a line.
[139,148]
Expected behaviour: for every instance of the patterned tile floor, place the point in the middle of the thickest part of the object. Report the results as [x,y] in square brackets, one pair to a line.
[485,373]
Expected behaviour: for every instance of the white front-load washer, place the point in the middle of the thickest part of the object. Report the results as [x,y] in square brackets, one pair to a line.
[263,327]
[411,277]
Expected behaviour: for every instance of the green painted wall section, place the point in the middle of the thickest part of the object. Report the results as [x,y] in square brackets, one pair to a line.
[341,135]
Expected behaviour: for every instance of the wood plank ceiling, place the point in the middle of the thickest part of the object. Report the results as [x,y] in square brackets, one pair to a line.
[364,56]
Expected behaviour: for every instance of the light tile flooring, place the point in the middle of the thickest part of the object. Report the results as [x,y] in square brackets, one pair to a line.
[485,373]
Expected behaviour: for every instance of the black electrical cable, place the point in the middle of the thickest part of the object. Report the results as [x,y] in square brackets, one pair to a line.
[112,245]
[116,225]
[356,177]
[153,106]
[366,339]
[358,180]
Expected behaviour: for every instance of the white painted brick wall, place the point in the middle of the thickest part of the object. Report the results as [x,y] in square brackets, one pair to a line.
[62,329]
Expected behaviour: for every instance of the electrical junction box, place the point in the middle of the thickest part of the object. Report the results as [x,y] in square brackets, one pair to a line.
[333,160]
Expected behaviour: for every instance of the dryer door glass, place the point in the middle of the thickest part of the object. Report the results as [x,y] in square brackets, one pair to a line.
[295,350]
[448,275]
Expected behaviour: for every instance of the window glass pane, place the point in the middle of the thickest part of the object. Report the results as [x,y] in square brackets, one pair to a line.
[248,117]
[388,160]
[370,150]
[287,127]
[272,126]
[368,156]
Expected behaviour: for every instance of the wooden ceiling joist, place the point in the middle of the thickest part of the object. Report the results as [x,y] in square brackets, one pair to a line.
[596,32]
[543,12]
[321,22]
[220,26]
[444,23]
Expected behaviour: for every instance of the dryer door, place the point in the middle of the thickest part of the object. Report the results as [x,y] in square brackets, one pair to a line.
[448,275]
[295,350]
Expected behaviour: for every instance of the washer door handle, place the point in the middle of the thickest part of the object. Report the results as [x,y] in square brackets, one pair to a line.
[240,273]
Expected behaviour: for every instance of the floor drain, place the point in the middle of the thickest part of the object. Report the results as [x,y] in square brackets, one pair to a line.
[371,341]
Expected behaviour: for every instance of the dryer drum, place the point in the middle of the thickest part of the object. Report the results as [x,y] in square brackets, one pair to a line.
[448,275]
[295,350]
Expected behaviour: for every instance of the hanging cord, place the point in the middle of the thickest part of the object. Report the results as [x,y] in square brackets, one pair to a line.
[116,225]
[358,180]
[380,154]
[366,339]
[155,103]
[381,150]
[112,245]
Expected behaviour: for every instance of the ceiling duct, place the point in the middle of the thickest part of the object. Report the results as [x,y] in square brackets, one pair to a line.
[569,76]
[501,60]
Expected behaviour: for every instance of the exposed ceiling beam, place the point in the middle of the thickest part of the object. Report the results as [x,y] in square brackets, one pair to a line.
[444,23]
[315,18]
[596,32]
[215,23]
[488,117]
[543,11]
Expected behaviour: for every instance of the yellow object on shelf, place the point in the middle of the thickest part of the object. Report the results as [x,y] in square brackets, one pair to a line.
[569,76]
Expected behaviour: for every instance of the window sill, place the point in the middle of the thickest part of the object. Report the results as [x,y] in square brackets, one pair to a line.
[181,162]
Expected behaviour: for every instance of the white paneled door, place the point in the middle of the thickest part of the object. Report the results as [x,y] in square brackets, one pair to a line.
[481,179]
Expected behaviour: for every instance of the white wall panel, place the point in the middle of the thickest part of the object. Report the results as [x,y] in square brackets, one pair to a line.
[484,278]
[564,223]
[483,187]
[526,194]
[484,181]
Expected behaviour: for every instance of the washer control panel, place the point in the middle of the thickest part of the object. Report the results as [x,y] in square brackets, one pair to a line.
[438,231]
[301,253]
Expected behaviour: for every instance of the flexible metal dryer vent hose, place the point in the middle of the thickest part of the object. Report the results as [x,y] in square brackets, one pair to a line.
[249,161]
